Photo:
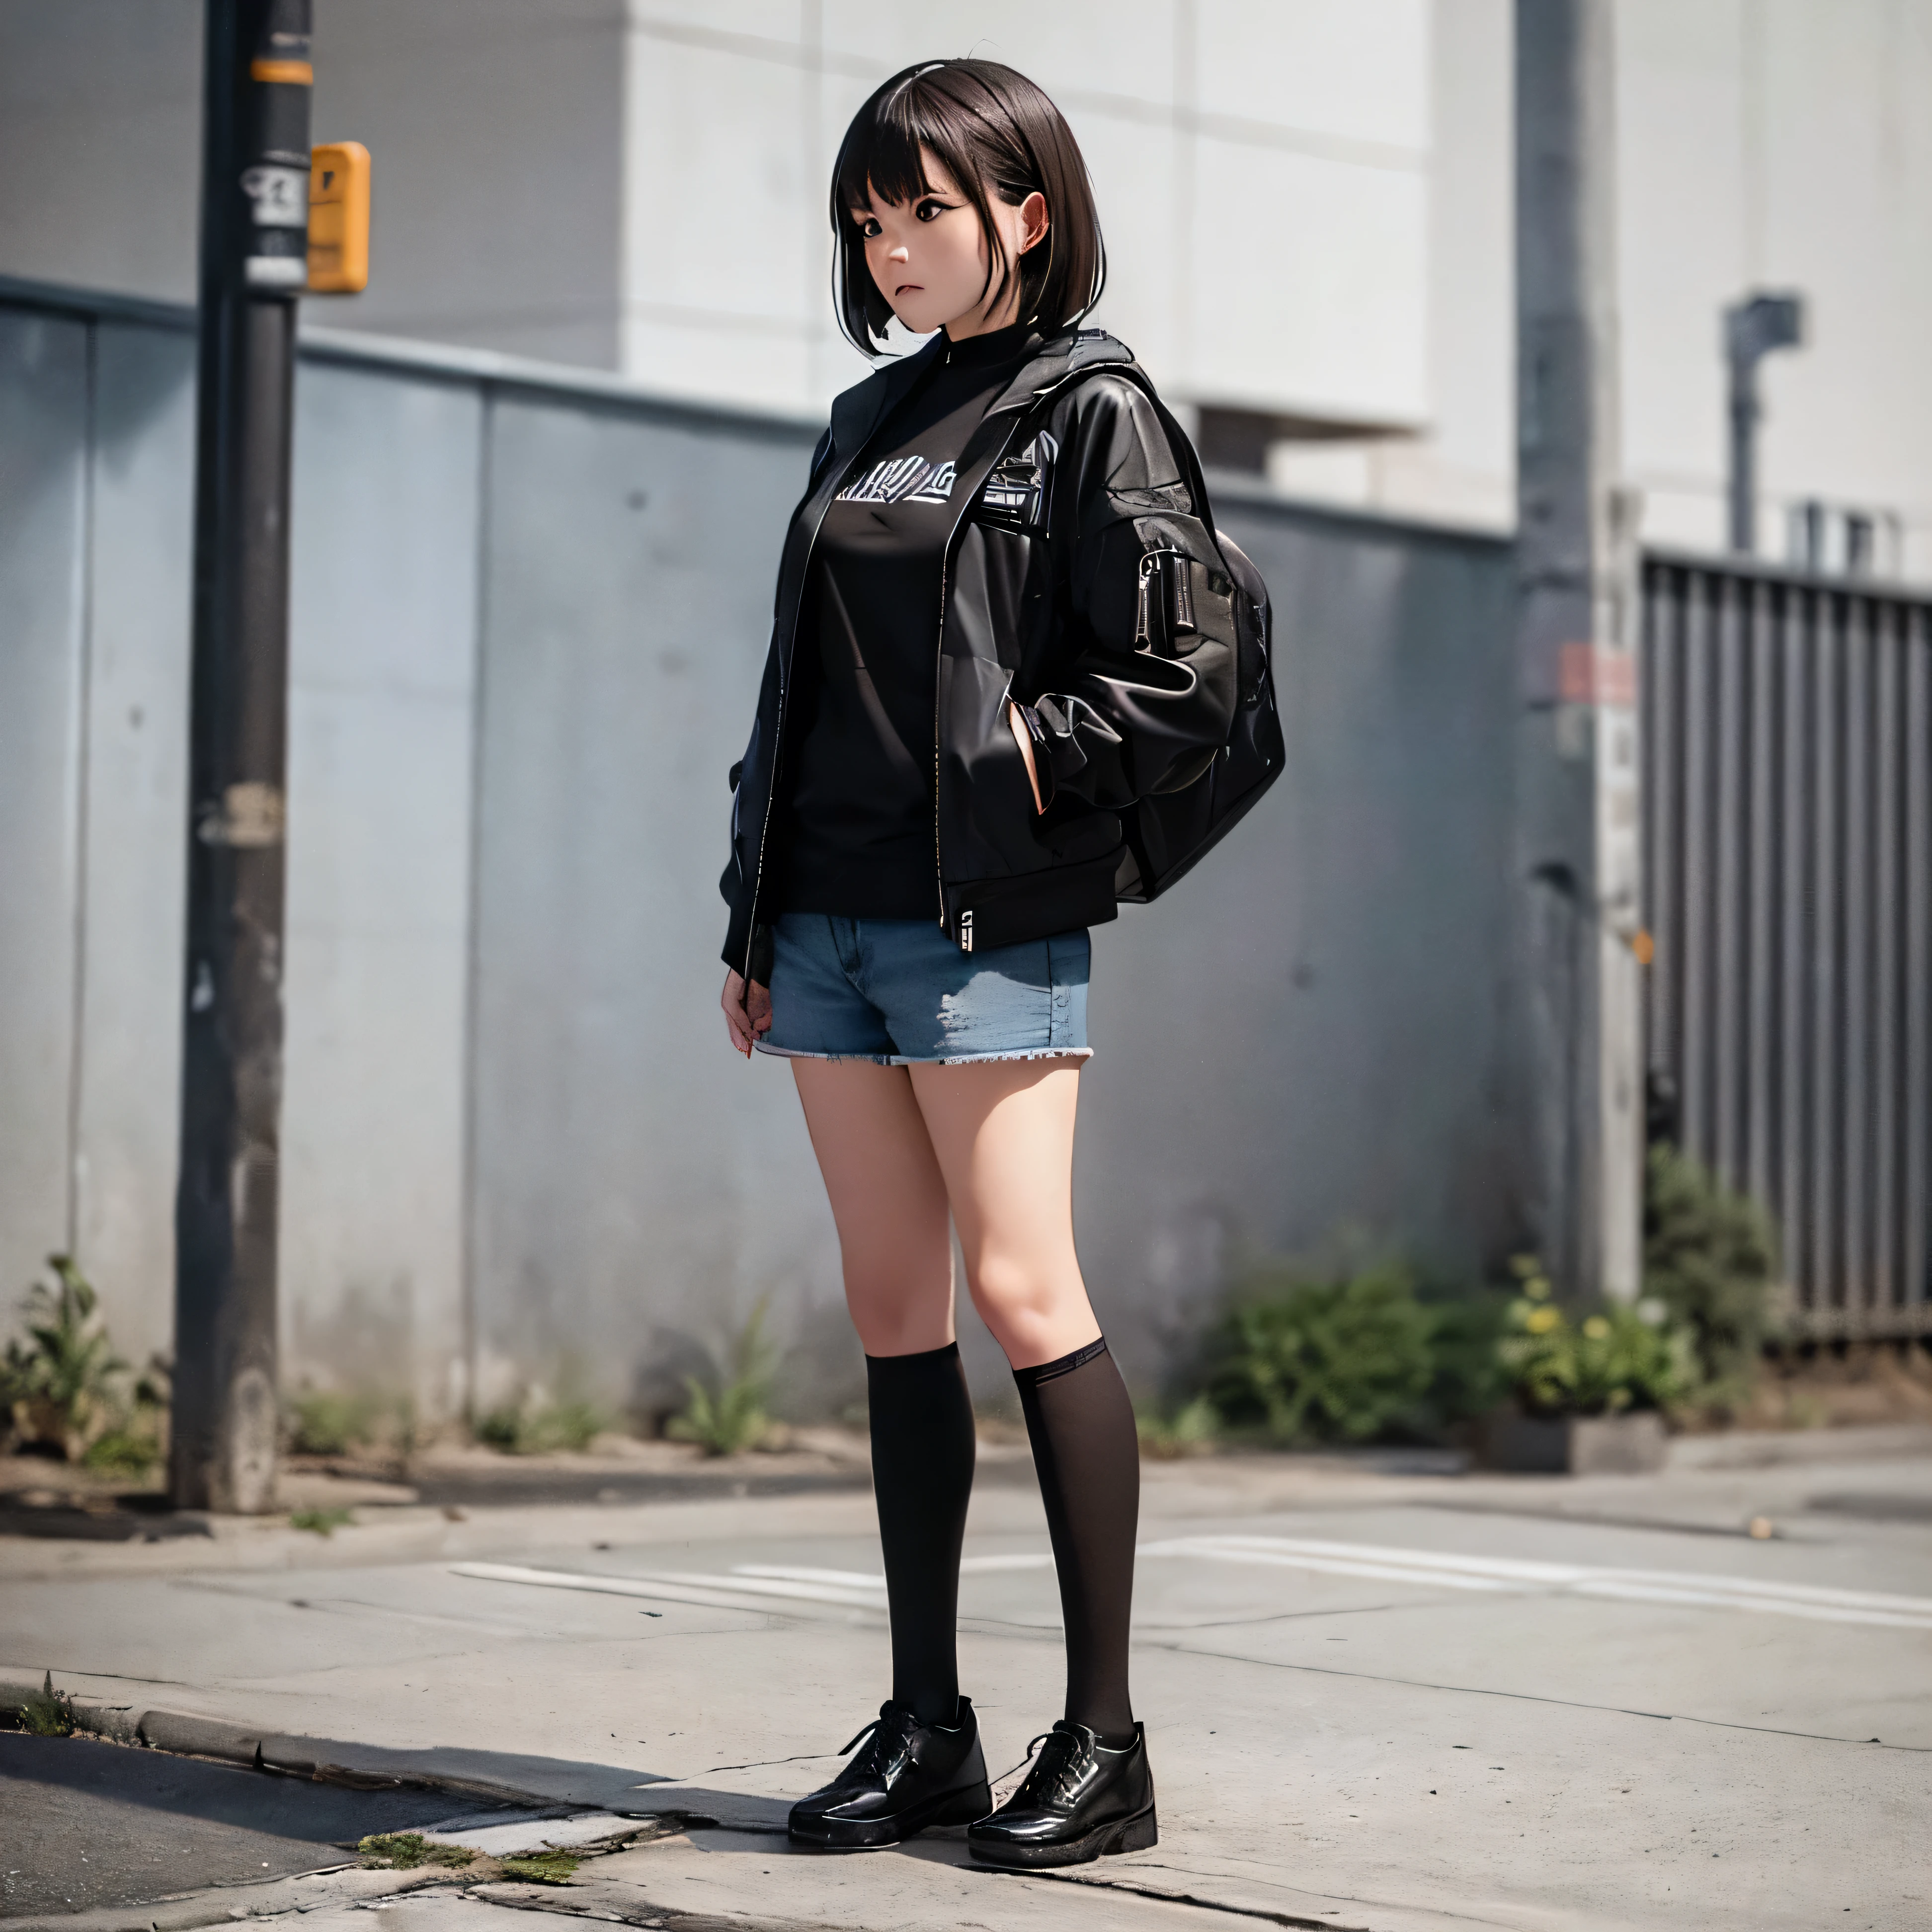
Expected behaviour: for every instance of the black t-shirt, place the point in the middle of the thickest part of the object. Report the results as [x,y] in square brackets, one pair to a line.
[860,826]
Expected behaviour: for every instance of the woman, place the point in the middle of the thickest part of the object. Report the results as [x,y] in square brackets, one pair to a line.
[1003,626]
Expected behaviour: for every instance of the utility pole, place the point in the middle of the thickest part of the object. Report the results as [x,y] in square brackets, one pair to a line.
[255,175]
[1580,1058]
[1753,328]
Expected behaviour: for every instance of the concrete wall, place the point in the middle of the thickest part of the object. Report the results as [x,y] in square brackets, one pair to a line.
[1308,206]
[529,615]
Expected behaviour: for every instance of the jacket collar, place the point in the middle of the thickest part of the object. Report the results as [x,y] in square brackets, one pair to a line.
[1059,357]
[859,410]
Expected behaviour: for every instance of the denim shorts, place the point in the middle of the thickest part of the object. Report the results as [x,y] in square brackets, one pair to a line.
[899,991]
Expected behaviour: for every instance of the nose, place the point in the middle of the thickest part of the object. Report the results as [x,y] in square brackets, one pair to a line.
[901,253]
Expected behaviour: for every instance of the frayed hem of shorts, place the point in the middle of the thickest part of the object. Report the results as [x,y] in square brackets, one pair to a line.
[930,1059]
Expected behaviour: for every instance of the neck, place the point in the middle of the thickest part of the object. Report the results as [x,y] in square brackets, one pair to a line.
[982,323]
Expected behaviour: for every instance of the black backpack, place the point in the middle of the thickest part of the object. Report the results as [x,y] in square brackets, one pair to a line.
[1167,835]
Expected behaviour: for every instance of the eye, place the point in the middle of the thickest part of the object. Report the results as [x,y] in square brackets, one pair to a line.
[869,227]
[930,210]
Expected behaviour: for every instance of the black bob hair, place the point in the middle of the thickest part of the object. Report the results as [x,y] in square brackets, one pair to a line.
[992,130]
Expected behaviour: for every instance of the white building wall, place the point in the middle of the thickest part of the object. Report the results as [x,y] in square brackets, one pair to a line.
[1262,172]
[1778,144]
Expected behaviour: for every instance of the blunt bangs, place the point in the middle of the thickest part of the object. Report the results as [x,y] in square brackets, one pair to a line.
[995,134]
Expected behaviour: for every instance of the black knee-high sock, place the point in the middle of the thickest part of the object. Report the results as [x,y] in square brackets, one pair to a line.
[922,1444]
[1088,1453]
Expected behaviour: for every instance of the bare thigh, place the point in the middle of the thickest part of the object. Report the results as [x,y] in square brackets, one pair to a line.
[1001,1132]
[888,1199]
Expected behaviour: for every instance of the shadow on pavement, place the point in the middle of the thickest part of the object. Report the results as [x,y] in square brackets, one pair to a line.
[89,1823]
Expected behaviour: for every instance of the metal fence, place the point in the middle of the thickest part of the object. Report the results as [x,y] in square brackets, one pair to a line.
[1787,727]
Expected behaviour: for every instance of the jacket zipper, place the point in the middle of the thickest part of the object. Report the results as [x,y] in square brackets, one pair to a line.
[939,649]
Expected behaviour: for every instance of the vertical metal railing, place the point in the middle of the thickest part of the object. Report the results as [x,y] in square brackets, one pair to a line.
[1787,746]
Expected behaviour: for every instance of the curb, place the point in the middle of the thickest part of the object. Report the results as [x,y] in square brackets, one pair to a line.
[187,1734]
[226,1905]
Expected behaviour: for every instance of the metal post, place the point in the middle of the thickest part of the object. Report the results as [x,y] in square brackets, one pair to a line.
[1752,329]
[254,203]
[1580,1046]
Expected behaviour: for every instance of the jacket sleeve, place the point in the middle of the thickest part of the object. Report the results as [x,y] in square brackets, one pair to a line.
[1144,687]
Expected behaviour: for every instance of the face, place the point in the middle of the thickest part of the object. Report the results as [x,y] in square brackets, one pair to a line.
[928,256]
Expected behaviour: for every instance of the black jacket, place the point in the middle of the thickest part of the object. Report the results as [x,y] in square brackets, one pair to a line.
[1082,578]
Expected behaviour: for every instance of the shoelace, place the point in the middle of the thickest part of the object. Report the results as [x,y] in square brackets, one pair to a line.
[879,1742]
[1050,1778]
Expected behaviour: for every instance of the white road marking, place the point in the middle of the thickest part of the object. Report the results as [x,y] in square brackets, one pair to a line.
[1458,1572]
[717,1593]
[752,1585]
[849,1580]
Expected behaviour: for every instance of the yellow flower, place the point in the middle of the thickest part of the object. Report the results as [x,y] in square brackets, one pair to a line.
[1542,1320]
[1597,1328]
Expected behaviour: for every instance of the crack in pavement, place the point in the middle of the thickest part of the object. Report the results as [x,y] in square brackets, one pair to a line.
[1535,1697]
[764,1763]
[1110,1883]
[1255,1912]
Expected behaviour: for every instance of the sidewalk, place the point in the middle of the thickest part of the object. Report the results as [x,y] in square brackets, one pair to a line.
[1384,1700]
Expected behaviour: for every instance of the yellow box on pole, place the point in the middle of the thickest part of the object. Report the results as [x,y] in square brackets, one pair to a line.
[338,219]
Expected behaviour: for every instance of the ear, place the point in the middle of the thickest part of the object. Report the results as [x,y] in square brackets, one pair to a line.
[1032,221]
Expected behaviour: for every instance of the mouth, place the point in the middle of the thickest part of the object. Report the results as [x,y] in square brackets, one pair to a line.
[910,288]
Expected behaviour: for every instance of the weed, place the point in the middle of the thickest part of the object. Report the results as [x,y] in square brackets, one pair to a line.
[47,1713]
[61,1381]
[535,1428]
[327,1422]
[405,1851]
[123,1451]
[729,1415]
[1187,1430]
[543,1867]
[1710,1257]
[1298,1361]
[501,1429]
[322,1522]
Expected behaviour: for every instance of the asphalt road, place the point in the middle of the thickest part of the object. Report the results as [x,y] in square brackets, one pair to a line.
[87,1824]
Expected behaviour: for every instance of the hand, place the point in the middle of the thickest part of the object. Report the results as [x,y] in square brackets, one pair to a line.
[1023,738]
[748,1012]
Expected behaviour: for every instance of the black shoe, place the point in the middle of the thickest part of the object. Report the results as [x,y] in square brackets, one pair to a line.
[909,1776]
[1080,1801]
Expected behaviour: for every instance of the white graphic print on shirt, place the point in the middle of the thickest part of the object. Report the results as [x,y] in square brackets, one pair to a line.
[901,479]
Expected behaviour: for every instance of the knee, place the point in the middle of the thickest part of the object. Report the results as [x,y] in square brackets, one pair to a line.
[1016,1297]
[899,1312]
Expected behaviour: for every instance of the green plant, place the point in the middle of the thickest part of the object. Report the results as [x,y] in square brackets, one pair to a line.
[1301,1361]
[729,1413]
[1710,1257]
[123,1450]
[1466,1378]
[405,1851]
[1616,1358]
[47,1713]
[543,1867]
[1188,1428]
[330,1422]
[61,1380]
[534,1429]
[499,1429]
[322,1521]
